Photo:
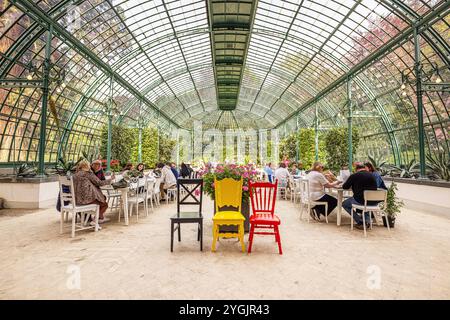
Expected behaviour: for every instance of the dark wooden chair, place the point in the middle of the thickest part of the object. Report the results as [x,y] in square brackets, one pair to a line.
[192,195]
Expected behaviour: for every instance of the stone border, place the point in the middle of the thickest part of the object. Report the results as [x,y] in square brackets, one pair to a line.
[34,180]
[425,182]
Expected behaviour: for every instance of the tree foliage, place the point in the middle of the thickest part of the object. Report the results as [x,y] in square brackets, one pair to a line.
[125,142]
[336,147]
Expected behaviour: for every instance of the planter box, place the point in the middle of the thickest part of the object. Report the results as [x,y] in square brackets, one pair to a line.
[425,196]
[33,193]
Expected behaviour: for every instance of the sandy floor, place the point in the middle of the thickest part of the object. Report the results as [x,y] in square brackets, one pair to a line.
[319,260]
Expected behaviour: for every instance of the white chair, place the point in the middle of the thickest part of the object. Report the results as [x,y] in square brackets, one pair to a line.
[137,195]
[306,201]
[371,195]
[297,190]
[292,188]
[157,192]
[84,212]
[171,192]
[150,191]
[282,188]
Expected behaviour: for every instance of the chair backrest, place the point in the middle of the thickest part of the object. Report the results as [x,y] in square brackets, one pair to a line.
[137,185]
[263,196]
[375,195]
[304,188]
[66,190]
[150,185]
[157,185]
[228,193]
[193,195]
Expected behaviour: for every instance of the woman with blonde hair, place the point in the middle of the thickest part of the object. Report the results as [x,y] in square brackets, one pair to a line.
[87,188]
[317,183]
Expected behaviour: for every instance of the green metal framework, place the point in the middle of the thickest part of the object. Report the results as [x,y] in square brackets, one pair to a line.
[230,64]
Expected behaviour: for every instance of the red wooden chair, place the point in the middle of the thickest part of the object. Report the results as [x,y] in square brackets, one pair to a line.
[263,196]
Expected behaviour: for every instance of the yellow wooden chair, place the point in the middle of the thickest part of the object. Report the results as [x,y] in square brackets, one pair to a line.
[228,192]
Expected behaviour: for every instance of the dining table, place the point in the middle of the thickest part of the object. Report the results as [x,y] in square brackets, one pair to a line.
[340,194]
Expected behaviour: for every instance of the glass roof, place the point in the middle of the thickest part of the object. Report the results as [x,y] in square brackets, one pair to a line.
[230,64]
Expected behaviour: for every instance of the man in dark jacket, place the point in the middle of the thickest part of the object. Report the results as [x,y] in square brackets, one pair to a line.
[359,182]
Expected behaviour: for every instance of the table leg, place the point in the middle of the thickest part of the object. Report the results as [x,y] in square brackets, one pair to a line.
[339,208]
[125,206]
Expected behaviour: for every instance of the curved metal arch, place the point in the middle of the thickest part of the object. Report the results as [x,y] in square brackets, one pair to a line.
[137,52]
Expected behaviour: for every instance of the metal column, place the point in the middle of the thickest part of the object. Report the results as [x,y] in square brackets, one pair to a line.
[140,134]
[297,142]
[350,124]
[316,133]
[419,94]
[45,92]
[108,146]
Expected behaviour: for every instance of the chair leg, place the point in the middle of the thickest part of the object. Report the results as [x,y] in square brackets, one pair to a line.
[151,203]
[179,232]
[351,219]
[171,236]
[74,219]
[364,223]
[241,236]
[277,236]
[61,223]
[215,235]
[301,210]
[201,235]
[137,211]
[326,213]
[250,238]
[97,216]
[387,222]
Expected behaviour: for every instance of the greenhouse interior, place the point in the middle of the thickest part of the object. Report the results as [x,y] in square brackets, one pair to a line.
[225,149]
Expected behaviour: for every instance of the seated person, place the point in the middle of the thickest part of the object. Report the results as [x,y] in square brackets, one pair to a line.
[269,172]
[294,170]
[97,168]
[185,172]
[317,183]
[282,174]
[173,168]
[376,174]
[168,179]
[87,188]
[359,182]
[140,168]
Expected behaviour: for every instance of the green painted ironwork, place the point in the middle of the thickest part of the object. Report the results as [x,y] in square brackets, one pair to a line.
[45,84]
[350,124]
[420,110]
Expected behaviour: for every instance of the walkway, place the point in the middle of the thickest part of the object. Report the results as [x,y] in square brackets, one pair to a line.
[319,261]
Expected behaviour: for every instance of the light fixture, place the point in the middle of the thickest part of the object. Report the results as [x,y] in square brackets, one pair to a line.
[438,80]
[404,93]
[403,87]
[30,77]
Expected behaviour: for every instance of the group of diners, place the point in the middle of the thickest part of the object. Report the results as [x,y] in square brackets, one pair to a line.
[90,177]
[366,177]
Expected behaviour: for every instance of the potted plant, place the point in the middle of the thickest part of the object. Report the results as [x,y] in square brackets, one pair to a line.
[247,173]
[66,167]
[393,206]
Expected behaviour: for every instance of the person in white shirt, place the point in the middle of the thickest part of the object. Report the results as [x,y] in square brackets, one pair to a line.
[317,183]
[168,179]
[282,174]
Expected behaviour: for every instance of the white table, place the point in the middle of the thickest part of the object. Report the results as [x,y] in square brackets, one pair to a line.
[339,194]
[123,200]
